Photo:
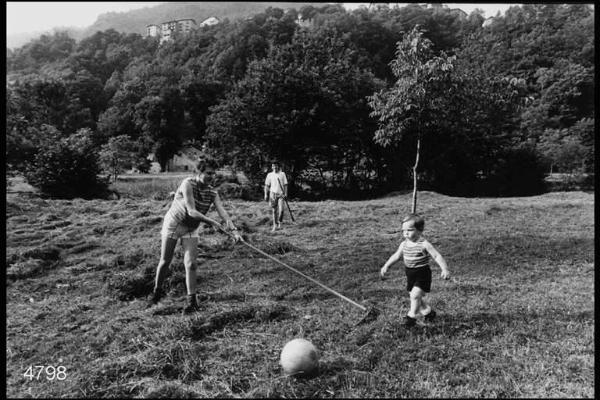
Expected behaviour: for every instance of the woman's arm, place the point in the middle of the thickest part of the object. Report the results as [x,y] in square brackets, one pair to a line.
[223,213]
[225,216]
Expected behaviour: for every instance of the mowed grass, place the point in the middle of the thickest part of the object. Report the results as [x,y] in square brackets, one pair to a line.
[516,320]
[159,186]
[156,187]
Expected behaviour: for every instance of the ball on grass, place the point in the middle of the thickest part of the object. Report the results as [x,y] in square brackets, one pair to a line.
[299,357]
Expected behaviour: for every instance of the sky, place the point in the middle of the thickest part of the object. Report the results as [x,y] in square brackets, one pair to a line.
[32,16]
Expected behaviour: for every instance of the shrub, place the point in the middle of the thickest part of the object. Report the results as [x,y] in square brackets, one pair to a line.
[66,168]
[143,165]
[570,149]
[517,172]
[117,155]
[570,182]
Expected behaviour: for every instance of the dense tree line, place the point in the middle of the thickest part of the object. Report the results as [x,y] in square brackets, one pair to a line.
[341,100]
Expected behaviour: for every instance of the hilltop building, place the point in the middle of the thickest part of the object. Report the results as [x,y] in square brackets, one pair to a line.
[210,21]
[152,30]
[166,30]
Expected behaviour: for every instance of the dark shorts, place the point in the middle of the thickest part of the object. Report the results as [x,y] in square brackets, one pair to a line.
[420,277]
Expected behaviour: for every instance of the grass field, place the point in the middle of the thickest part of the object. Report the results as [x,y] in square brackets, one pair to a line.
[150,187]
[517,320]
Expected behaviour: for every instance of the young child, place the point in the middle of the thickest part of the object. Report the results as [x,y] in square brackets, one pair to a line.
[416,251]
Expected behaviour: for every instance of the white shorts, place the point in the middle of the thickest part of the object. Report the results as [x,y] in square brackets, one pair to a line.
[176,230]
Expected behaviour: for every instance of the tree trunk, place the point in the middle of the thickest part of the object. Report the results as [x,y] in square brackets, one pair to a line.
[414,200]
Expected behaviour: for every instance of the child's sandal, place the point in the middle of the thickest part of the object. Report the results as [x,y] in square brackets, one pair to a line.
[430,317]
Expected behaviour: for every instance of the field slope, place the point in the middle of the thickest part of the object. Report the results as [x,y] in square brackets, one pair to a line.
[517,320]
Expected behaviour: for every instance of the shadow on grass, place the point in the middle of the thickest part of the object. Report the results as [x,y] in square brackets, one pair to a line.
[484,326]
[490,253]
[218,297]
[275,247]
[200,325]
[335,366]
[219,320]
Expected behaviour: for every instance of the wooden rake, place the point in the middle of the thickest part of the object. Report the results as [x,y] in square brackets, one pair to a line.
[371,313]
[286,202]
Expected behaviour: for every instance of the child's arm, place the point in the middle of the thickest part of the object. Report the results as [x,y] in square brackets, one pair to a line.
[438,259]
[392,260]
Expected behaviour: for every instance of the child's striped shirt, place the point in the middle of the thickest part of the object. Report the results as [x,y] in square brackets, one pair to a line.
[414,254]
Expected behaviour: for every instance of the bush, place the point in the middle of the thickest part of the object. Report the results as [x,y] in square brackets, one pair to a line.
[451,173]
[66,168]
[230,190]
[143,165]
[517,172]
[570,182]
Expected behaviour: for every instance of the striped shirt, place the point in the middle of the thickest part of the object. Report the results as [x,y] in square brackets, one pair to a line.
[204,197]
[414,254]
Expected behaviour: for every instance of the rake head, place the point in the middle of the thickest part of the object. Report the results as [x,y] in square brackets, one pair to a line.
[370,316]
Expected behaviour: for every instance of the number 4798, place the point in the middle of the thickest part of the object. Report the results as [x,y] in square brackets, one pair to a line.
[51,372]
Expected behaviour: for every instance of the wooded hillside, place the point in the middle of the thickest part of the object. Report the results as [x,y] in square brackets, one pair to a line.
[510,101]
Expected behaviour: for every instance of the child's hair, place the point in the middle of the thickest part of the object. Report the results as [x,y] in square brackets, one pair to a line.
[206,162]
[417,220]
[275,162]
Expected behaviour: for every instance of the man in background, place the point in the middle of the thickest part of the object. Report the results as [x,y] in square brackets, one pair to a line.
[275,192]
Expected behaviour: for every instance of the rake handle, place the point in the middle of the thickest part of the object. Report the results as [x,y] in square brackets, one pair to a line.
[286,202]
[289,209]
[341,296]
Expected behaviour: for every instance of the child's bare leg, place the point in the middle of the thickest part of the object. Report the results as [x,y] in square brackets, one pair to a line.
[416,294]
[425,308]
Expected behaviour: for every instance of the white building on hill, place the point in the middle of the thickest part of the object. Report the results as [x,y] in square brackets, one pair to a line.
[169,28]
[153,30]
[210,21]
[166,30]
